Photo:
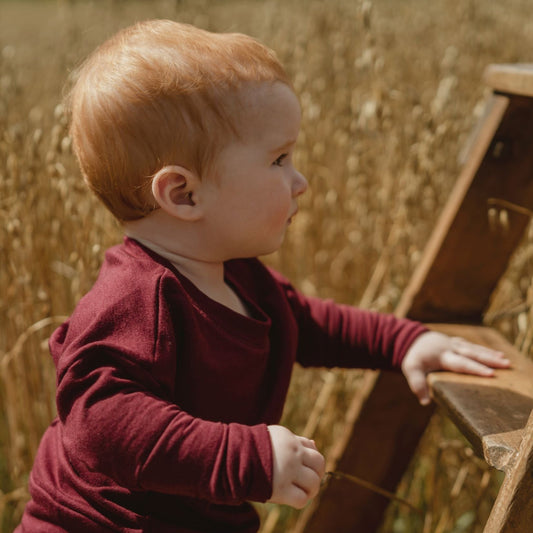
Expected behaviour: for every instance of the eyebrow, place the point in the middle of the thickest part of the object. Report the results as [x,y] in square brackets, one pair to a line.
[284,146]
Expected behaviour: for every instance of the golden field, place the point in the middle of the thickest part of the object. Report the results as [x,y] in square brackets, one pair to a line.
[390,90]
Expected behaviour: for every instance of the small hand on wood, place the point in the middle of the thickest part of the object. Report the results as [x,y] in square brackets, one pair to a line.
[435,351]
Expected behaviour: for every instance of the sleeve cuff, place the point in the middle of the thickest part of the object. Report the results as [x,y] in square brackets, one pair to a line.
[411,331]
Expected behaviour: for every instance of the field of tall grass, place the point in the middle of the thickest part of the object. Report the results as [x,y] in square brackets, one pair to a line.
[390,90]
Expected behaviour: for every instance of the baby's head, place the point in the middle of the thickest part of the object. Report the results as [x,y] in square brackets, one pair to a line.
[155,94]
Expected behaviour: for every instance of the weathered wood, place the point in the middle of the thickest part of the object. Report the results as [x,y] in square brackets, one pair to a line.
[491,413]
[465,257]
[513,509]
[460,267]
[513,79]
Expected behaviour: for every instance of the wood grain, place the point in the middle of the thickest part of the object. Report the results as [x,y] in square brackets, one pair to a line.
[513,509]
[491,413]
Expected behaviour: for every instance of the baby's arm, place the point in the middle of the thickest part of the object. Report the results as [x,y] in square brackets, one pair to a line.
[298,468]
[117,424]
[435,351]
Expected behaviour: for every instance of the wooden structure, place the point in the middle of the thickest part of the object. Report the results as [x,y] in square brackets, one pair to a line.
[451,288]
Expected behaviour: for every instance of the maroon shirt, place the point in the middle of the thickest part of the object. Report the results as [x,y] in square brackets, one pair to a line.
[164,395]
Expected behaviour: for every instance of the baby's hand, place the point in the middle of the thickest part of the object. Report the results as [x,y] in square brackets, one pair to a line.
[435,351]
[298,468]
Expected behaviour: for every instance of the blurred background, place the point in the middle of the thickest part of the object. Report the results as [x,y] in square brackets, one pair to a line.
[390,90]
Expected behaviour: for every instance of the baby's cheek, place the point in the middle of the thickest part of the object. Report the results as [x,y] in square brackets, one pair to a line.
[284,211]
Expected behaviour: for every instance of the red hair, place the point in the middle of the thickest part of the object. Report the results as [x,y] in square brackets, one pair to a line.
[155,94]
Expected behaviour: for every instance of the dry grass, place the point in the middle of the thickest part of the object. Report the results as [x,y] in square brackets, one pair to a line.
[389,91]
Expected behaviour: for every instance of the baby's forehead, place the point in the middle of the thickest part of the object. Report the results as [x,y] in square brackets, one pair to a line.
[266,93]
[269,114]
[259,101]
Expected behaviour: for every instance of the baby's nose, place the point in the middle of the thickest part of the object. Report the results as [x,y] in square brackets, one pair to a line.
[299,184]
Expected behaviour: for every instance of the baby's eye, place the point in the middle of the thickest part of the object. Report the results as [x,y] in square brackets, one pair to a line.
[279,161]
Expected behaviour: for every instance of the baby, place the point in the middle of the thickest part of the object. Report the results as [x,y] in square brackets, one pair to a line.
[173,370]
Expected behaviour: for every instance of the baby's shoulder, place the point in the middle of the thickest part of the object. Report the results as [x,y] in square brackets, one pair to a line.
[125,307]
[129,278]
[131,285]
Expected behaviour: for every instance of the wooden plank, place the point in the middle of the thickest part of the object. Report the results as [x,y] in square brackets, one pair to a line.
[386,425]
[459,270]
[465,256]
[491,413]
[512,79]
[513,509]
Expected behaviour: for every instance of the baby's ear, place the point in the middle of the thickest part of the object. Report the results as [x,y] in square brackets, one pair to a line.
[174,189]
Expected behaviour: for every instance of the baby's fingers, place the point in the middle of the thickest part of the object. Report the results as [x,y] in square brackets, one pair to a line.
[312,458]
[309,481]
[416,378]
[308,443]
[294,496]
[465,365]
[482,354]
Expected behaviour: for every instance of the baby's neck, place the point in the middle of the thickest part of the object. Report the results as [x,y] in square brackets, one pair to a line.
[207,277]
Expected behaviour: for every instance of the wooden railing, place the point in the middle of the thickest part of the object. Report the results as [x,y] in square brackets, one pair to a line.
[467,254]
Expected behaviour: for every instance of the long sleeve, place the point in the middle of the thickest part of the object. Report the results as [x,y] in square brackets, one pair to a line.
[164,395]
[117,425]
[118,365]
[334,335]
